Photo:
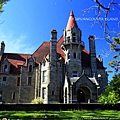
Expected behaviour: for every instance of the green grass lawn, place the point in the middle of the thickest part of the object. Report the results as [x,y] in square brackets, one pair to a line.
[74,115]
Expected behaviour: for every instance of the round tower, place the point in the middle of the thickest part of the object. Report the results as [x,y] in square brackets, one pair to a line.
[73,46]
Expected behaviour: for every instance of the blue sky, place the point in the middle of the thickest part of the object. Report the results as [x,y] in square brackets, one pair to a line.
[27,23]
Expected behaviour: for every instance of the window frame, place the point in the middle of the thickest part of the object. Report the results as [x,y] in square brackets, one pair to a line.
[74,55]
[4,81]
[13,95]
[68,39]
[74,74]
[74,37]
[44,92]
[30,68]
[29,81]
[44,76]
[5,68]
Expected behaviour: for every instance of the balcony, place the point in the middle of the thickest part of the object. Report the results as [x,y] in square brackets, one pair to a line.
[73,41]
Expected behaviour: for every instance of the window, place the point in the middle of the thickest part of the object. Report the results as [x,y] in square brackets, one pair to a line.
[44,63]
[44,76]
[68,39]
[4,81]
[74,37]
[52,92]
[74,55]
[74,74]
[30,68]
[13,95]
[68,55]
[65,94]
[78,55]
[29,80]
[18,81]
[43,93]
[5,68]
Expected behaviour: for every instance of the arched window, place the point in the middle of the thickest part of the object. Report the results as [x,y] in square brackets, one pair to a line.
[74,37]
[74,55]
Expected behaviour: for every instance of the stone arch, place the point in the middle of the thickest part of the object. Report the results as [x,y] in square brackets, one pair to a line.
[83,94]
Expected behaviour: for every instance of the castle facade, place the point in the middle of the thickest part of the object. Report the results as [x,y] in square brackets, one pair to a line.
[59,71]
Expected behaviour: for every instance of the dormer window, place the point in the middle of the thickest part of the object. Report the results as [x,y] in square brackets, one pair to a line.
[5,68]
[30,68]
[74,37]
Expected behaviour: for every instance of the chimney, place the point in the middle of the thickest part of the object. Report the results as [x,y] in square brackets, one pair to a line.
[2,47]
[53,42]
[92,49]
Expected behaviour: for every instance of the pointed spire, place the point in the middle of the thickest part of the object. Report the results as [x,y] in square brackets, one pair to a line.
[71,22]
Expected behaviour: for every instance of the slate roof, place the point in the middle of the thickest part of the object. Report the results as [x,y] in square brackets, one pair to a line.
[44,50]
[41,52]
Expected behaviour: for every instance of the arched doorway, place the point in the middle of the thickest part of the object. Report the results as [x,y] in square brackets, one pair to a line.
[83,95]
[80,96]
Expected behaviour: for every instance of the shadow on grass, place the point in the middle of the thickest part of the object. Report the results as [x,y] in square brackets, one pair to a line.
[56,115]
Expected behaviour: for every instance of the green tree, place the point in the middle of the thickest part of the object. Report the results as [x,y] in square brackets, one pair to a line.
[115,64]
[112,92]
[2,4]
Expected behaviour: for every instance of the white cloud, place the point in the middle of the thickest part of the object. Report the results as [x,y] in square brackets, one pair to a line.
[15,44]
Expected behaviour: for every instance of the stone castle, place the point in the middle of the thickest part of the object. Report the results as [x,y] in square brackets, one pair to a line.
[59,71]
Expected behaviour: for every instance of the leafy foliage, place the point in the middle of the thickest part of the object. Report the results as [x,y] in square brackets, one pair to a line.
[112,92]
[37,100]
[3,3]
[115,64]
[112,98]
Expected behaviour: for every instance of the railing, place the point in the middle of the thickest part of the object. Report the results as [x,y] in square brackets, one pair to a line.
[73,41]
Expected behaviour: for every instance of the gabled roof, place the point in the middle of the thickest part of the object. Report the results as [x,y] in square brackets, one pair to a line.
[44,51]
[15,60]
[93,79]
[41,52]
[71,22]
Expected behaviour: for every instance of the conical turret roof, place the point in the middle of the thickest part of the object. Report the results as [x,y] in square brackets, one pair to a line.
[71,22]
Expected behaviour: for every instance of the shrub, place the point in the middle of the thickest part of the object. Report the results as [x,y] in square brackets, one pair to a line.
[37,100]
[111,98]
